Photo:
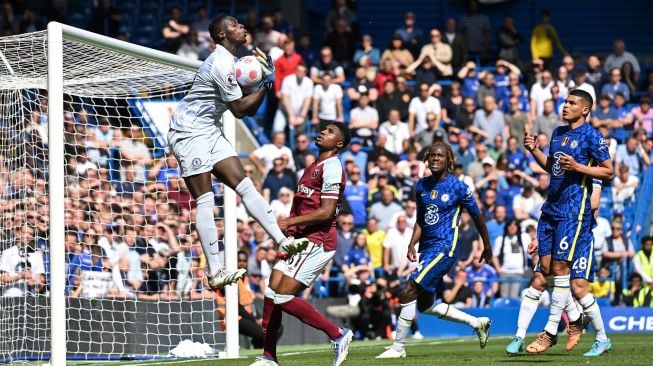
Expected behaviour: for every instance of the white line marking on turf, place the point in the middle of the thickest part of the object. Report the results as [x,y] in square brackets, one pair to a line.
[370,346]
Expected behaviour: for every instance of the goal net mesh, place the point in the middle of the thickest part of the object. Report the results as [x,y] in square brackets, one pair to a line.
[135,284]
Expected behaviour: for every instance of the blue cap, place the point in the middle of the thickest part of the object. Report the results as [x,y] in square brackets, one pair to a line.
[356,140]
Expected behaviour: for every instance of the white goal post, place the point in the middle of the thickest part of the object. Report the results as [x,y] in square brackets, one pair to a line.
[155,73]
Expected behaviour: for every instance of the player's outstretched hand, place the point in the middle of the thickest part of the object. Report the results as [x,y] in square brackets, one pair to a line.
[530,142]
[486,256]
[412,254]
[267,66]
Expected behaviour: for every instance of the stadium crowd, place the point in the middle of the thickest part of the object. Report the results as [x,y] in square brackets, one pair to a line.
[136,226]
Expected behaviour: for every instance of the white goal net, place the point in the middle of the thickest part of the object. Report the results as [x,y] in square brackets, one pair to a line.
[134,283]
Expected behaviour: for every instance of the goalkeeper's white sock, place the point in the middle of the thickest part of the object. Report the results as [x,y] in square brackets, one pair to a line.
[591,309]
[205,225]
[558,301]
[448,312]
[404,321]
[527,310]
[259,209]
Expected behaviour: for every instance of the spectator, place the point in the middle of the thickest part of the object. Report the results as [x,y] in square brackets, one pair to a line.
[619,56]
[356,193]
[304,48]
[327,65]
[475,27]
[400,56]
[635,295]
[296,96]
[133,150]
[360,84]
[340,12]
[540,92]
[457,293]
[633,155]
[564,82]
[527,203]
[356,154]
[488,121]
[543,38]
[426,73]
[201,26]
[327,100]
[497,224]
[174,30]
[425,137]
[604,287]
[485,88]
[410,34]
[302,151]
[595,73]
[469,240]
[277,178]
[382,211]
[367,55]
[484,273]
[516,122]
[22,271]
[266,38]
[508,40]
[617,249]
[629,77]
[286,65]
[374,238]
[438,52]
[511,258]
[263,157]
[451,106]
[605,114]
[615,85]
[341,41]
[457,43]
[391,98]
[643,261]
[480,297]
[345,237]
[190,47]
[393,134]
[419,107]
[394,245]
[643,115]
[364,120]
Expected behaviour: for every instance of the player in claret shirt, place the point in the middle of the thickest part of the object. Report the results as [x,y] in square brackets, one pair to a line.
[440,198]
[313,216]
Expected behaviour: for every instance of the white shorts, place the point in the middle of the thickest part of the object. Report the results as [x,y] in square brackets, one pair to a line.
[199,152]
[305,266]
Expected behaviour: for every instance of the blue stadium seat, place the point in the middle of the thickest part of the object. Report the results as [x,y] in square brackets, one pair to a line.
[603,302]
[505,302]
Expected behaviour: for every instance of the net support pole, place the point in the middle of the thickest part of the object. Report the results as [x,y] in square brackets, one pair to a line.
[56,196]
[230,249]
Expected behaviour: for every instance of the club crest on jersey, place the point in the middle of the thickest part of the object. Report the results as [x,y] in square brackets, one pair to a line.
[445,197]
[315,174]
[565,140]
[434,194]
[574,144]
[196,162]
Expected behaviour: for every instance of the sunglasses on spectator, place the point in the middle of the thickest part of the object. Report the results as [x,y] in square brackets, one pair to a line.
[347,223]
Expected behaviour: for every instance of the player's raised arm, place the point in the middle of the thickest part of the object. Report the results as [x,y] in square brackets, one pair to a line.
[530,143]
[247,105]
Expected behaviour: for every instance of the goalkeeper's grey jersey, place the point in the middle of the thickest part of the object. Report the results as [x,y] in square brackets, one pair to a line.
[213,87]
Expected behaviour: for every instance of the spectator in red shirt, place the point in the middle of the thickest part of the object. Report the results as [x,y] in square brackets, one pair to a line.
[286,64]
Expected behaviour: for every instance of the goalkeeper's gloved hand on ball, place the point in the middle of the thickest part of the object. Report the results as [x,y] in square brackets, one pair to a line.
[267,66]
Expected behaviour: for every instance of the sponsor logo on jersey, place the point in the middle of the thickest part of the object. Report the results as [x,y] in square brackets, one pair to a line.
[565,140]
[445,197]
[434,194]
[305,190]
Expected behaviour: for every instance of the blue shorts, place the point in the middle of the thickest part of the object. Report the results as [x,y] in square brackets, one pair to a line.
[431,268]
[567,240]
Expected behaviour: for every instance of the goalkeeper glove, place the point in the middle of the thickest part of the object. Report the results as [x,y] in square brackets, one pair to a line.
[267,67]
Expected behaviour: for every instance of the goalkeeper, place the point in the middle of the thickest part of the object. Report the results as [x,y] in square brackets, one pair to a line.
[198,142]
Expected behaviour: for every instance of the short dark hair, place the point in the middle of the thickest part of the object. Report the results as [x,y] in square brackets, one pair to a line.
[585,96]
[344,130]
[218,25]
[647,238]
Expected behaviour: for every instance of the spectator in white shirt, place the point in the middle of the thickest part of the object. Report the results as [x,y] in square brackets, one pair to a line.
[527,202]
[296,94]
[21,270]
[327,101]
[364,119]
[393,134]
[263,157]
[510,257]
[419,107]
[540,92]
[394,245]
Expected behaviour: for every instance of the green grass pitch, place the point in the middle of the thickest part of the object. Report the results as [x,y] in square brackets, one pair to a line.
[628,349]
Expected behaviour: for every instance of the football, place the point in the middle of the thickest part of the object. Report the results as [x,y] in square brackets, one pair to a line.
[248,72]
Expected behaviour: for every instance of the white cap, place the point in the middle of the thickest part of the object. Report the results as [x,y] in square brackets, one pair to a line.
[488,160]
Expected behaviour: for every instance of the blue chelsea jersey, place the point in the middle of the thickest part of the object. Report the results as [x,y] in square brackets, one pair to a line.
[569,192]
[438,211]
